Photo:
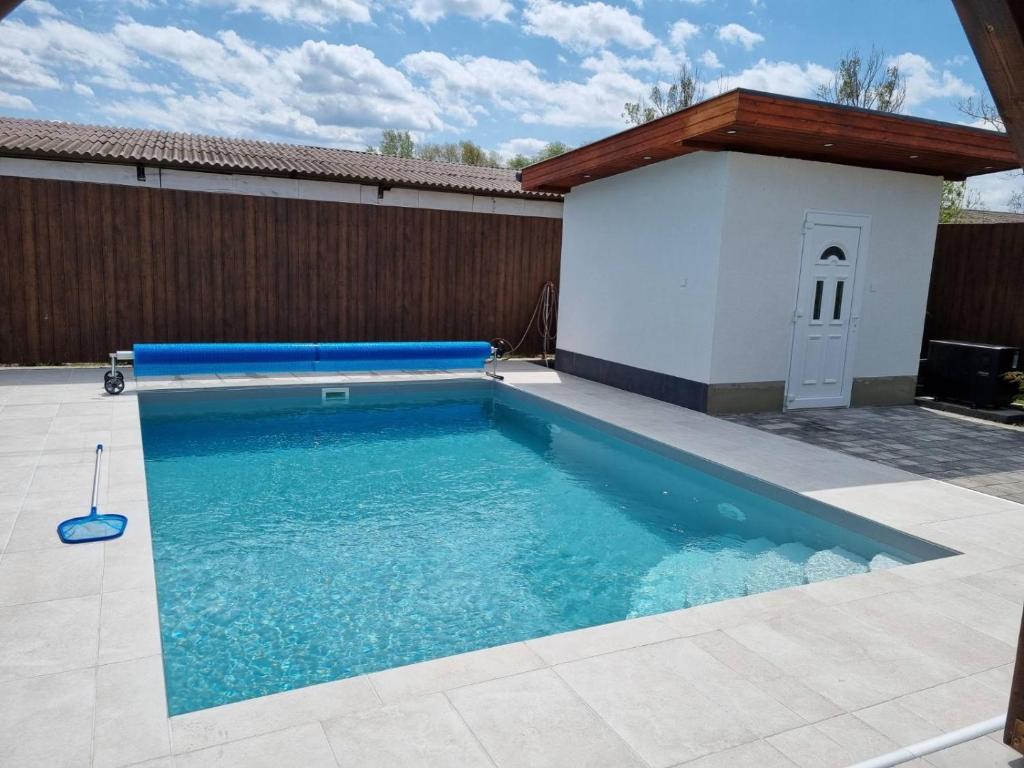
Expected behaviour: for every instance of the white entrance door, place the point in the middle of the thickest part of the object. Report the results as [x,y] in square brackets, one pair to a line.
[825,320]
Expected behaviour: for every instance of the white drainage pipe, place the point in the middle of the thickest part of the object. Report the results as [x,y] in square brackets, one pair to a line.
[937,744]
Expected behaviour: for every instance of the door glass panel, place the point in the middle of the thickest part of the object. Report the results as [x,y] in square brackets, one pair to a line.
[819,288]
[837,309]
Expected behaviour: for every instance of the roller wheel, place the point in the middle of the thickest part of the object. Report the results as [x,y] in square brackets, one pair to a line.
[113,383]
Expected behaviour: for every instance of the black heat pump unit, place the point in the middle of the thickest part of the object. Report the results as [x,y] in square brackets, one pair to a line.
[971,373]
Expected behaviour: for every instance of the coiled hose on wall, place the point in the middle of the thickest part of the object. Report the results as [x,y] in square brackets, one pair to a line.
[543,320]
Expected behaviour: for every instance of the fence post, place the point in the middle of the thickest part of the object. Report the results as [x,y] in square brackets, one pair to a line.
[1014,733]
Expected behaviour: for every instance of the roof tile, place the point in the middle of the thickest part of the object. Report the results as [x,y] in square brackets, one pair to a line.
[74,141]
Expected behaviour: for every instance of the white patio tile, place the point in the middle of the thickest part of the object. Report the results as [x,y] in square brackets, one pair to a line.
[47,721]
[980,753]
[129,559]
[50,574]
[672,702]
[955,704]
[422,733]
[901,725]
[834,743]
[454,671]
[131,713]
[756,754]
[534,720]
[592,641]
[798,697]
[129,625]
[46,638]
[244,719]
[304,745]
[30,411]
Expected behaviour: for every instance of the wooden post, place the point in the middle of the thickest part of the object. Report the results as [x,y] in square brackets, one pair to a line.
[995,30]
[6,6]
[1014,733]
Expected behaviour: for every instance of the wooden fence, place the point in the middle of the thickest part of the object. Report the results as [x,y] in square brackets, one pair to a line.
[89,268]
[977,287]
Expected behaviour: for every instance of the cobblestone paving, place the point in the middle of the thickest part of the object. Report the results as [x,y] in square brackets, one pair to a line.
[975,454]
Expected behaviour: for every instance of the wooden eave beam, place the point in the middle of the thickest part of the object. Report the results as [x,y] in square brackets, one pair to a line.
[995,30]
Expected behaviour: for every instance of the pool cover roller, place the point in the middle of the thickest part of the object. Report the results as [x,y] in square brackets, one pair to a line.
[176,359]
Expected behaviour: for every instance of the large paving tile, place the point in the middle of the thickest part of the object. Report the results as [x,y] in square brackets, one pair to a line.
[956,704]
[832,743]
[851,663]
[797,696]
[756,754]
[304,745]
[673,702]
[50,637]
[47,721]
[534,720]
[129,625]
[980,753]
[128,561]
[50,574]
[131,713]
[421,733]
[454,671]
[912,622]
[244,719]
[581,643]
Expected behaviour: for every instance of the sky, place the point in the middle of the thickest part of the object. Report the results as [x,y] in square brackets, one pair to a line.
[511,75]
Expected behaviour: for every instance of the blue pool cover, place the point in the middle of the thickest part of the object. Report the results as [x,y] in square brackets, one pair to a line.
[176,359]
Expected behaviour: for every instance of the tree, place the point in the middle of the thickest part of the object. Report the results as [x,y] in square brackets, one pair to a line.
[395,144]
[982,109]
[549,150]
[866,82]
[687,90]
[465,152]
[955,198]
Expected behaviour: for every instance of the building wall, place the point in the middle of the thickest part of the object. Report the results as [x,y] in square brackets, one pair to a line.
[765,207]
[689,269]
[640,264]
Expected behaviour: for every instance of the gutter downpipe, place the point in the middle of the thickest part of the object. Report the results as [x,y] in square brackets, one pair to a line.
[928,746]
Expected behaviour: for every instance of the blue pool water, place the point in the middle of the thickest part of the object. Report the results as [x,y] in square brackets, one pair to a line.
[298,542]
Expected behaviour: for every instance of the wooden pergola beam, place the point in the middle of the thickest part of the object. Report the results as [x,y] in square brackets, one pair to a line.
[995,30]
[6,6]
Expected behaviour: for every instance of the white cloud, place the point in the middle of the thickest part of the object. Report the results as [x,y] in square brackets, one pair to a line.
[524,146]
[586,27]
[316,12]
[83,90]
[13,101]
[37,56]
[682,31]
[429,11]
[924,83]
[337,93]
[781,77]
[470,86]
[737,34]
[710,60]
[658,60]
[958,61]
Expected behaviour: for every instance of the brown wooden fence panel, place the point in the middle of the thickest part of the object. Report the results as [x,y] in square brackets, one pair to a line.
[977,286]
[89,268]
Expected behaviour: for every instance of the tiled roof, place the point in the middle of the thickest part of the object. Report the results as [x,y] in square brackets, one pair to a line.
[971,216]
[97,143]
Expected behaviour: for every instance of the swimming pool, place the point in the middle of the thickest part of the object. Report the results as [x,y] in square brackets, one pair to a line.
[302,536]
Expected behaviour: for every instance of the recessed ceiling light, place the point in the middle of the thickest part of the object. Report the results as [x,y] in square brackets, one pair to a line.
[913,157]
[730,132]
[586,175]
[987,168]
[830,145]
[647,157]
